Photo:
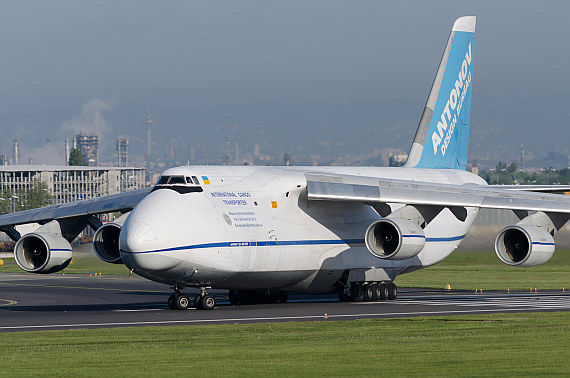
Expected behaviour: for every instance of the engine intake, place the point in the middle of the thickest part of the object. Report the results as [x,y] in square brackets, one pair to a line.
[42,252]
[394,238]
[106,241]
[524,245]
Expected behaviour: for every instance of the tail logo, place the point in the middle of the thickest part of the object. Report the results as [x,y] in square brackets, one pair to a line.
[453,106]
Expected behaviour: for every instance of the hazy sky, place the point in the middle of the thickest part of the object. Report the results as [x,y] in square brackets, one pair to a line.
[207,54]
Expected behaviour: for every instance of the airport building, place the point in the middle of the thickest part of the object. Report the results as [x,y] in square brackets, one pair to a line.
[71,183]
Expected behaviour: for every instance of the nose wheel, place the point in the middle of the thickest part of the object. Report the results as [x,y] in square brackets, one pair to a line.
[178,302]
[202,301]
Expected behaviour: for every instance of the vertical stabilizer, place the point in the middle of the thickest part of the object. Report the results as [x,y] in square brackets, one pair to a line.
[442,137]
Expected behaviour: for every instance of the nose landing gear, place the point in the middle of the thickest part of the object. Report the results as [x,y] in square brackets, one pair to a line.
[204,301]
[179,301]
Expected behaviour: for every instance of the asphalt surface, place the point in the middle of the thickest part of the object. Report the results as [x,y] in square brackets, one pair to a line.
[38,302]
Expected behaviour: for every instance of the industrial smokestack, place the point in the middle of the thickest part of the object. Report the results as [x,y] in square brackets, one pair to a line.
[67,151]
[16,152]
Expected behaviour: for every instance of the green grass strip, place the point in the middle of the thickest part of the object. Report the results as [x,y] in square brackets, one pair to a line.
[534,344]
[483,270]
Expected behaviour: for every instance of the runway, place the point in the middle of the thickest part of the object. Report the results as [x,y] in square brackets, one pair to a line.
[36,302]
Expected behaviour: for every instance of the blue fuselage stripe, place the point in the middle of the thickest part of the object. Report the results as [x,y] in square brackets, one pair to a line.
[352,242]
[543,243]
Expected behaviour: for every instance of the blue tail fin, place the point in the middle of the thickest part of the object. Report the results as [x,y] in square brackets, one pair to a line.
[442,137]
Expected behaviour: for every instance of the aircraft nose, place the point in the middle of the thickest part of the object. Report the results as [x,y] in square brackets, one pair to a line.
[139,245]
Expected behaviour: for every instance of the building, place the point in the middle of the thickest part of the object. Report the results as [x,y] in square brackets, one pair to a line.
[122,146]
[71,183]
[89,146]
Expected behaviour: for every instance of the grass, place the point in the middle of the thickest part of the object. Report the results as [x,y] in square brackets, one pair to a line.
[478,345]
[470,270]
[80,264]
[463,270]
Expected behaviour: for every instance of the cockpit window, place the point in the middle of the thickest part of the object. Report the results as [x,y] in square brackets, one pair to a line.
[177,180]
[162,180]
[180,184]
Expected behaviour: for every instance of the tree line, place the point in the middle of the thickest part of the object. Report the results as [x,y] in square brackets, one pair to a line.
[509,174]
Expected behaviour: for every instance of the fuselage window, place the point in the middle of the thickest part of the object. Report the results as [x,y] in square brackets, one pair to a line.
[195,180]
[189,180]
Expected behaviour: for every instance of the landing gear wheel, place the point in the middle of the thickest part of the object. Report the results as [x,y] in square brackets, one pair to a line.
[368,293]
[392,291]
[171,302]
[376,293]
[197,302]
[357,293]
[207,302]
[383,292]
[181,302]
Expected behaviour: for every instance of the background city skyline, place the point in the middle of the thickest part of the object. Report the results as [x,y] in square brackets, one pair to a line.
[320,79]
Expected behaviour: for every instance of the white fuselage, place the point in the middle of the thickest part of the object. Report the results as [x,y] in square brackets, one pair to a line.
[253,228]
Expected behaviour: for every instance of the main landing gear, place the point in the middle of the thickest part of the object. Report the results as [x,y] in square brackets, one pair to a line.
[202,301]
[368,292]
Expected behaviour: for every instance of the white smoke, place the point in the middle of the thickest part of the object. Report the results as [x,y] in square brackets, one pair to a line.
[49,154]
[90,120]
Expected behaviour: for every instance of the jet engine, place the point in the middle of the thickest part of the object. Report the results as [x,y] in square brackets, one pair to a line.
[395,238]
[527,243]
[106,241]
[42,252]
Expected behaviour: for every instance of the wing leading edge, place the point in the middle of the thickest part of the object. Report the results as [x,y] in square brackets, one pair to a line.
[121,202]
[371,189]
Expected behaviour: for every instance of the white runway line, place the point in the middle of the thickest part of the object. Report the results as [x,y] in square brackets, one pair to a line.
[539,302]
[261,319]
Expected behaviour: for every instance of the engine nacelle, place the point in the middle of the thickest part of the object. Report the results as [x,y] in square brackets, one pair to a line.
[106,241]
[42,252]
[395,238]
[524,245]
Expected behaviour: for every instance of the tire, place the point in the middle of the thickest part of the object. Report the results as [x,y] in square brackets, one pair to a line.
[392,291]
[197,303]
[357,293]
[207,302]
[383,292]
[171,302]
[368,293]
[181,302]
[376,292]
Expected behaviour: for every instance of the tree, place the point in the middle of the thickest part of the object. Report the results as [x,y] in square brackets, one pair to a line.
[5,201]
[37,196]
[512,167]
[76,157]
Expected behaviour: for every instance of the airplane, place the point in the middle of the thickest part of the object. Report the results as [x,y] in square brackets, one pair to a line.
[261,231]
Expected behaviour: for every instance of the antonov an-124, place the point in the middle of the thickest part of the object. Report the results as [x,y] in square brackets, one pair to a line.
[263,232]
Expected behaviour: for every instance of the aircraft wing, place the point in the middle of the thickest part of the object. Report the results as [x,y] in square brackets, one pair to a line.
[334,187]
[116,202]
[535,188]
